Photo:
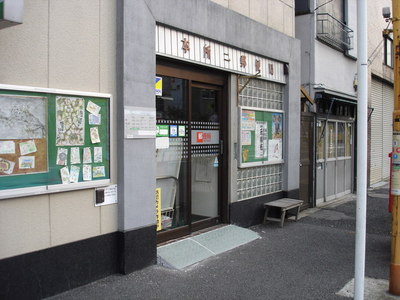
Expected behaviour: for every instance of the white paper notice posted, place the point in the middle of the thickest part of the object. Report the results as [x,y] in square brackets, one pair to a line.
[140,122]
[110,195]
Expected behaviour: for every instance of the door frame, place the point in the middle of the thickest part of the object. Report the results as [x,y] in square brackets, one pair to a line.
[312,159]
[207,78]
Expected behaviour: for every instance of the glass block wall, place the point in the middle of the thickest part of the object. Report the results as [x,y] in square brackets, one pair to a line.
[258,181]
[261,180]
[261,94]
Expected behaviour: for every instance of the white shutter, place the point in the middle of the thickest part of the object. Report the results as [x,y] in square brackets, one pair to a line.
[381,130]
[376,132]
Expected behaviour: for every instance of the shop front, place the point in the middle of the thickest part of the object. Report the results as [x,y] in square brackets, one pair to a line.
[222,117]
[222,89]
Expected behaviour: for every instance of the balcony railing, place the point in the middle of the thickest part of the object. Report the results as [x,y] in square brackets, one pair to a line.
[333,32]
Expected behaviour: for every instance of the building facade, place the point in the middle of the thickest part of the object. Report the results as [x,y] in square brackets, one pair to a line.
[327,31]
[215,137]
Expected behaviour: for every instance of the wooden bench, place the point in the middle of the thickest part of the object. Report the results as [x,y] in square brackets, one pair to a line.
[285,205]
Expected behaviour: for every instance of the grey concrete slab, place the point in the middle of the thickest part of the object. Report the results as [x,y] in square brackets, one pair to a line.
[191,250]
[183,253]
[226,238]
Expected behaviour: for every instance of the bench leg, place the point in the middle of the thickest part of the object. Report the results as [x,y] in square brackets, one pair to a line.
[297,214]
[266,214]
[283,214]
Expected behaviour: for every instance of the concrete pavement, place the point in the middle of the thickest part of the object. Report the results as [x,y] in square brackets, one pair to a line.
[310,259]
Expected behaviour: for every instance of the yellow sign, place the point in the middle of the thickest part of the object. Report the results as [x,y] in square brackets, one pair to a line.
[158,86]
[158,208]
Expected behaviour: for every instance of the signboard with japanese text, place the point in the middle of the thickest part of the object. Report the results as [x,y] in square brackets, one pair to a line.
[205,137]
[185,46]
[140,122]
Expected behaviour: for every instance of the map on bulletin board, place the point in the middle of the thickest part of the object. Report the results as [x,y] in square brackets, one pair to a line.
[49,139]
[23,134]
[261,134]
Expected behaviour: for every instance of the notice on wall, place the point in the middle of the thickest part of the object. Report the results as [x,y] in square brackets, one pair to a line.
[6,166]
[274,150]
[248,120]
[74,174]
[70,121]
[7,147]
[99,171]
[110,195]
[140,122]
[75,155]
[261,138]
[27,147]
[94,119]
[246,137]
[87,172]
[93,108]
[98,154]
[277,126]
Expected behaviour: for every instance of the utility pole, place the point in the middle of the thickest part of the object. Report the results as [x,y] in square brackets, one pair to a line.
[362,141]
[394,278]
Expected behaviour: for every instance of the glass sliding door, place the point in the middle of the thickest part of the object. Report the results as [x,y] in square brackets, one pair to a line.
[172,152]
[189,154]
[334,151]
[205,152]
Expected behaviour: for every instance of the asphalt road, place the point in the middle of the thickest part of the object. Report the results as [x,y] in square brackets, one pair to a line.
[312,258]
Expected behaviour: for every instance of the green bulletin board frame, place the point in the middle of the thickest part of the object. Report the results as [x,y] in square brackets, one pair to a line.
[1,10]
[48,181]
[261,136]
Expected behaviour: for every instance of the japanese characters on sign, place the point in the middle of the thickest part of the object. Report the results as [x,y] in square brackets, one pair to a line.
[185,46]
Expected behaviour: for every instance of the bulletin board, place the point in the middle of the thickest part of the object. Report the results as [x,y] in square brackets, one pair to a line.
[261,136]
[53,139]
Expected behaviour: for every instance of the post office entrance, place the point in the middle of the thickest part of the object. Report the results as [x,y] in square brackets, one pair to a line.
[190,150]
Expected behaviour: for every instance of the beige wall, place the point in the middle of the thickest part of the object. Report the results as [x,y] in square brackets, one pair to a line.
[277,14]
[376,24]
[66,45]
